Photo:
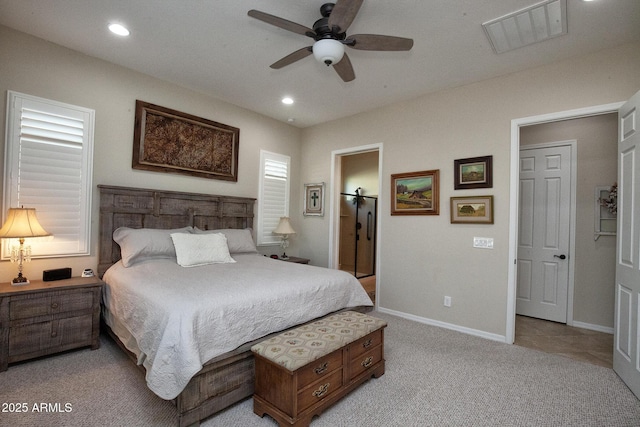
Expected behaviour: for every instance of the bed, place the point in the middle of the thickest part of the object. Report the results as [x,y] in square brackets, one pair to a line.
[146,304]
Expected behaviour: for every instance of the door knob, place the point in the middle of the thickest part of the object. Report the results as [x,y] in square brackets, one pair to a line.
[563,256]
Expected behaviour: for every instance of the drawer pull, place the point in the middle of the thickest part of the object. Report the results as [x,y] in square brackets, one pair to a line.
[367,343]
[322,368]
[322,390]
[54,334]
[367,362]
[54,305]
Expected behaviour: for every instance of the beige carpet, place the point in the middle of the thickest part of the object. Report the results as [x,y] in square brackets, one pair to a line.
[435,377]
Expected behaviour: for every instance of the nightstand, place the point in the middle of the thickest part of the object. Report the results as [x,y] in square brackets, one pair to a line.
[43,318]
[296,260]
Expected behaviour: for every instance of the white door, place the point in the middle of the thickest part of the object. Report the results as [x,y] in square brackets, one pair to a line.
[626,354]
[544,232]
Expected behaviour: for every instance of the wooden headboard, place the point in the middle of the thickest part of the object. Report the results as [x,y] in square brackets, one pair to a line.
[144,208]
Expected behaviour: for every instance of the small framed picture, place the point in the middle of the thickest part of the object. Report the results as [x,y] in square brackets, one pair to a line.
[314,199]
[472,210]
[415,193]
[474,172]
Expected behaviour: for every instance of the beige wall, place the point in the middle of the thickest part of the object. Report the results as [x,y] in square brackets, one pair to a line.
[596,138]
[360,170]
[424,258]
[33,66]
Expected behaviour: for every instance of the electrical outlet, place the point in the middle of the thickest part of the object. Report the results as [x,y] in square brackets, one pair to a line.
[483,242]
[447,301]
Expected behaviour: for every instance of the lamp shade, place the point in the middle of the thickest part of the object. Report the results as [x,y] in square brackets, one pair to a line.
[284,227]
[328,51]
[22,222]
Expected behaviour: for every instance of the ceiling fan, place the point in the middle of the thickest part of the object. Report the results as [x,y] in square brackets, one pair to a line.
[329,33]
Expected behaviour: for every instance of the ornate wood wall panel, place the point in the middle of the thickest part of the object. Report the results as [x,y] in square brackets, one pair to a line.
[166,140]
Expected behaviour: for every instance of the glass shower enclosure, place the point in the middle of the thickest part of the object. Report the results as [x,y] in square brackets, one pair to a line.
[358,234]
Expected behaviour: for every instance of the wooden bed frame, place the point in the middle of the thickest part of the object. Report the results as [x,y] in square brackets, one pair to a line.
[230,377]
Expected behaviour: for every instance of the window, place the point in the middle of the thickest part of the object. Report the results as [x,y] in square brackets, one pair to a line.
[273,201]
[48,160]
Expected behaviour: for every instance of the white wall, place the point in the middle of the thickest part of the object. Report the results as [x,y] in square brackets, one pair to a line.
[33,66]
[424,258]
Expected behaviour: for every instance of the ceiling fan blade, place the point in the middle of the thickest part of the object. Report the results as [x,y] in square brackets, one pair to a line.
[343,14]
[378,42]
[282,23]
[292,57]
[345,69]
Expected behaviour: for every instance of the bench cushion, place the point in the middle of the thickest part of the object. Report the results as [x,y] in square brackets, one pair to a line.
[304,344]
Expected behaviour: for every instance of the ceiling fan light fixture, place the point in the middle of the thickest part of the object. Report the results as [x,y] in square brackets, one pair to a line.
[328,51]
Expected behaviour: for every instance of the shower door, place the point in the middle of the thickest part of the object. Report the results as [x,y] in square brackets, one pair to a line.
[358,234]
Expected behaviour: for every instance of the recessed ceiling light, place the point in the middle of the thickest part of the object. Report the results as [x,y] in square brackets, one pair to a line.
[119,30]
[287,100]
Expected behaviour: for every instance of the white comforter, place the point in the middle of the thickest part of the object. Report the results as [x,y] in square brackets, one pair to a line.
[181,318]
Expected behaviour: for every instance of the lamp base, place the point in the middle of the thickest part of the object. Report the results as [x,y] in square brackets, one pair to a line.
[20,281]
[284,256]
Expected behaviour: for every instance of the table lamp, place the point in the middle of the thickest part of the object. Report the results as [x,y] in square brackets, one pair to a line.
[21,223]
[285,230]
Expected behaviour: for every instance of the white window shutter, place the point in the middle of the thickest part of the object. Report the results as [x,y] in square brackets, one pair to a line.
[48,166]
[273,201]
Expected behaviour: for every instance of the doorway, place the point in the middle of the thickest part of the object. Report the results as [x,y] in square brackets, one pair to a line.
[354,214]
[588,313]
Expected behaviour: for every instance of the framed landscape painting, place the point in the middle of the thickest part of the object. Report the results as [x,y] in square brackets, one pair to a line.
[474,172]
[415,193]
[472,210]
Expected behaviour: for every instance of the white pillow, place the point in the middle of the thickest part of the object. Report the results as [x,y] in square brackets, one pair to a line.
[201,249]
[140,244]
[239,241]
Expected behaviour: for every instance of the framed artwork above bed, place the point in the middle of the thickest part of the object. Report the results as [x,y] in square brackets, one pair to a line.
[169,141]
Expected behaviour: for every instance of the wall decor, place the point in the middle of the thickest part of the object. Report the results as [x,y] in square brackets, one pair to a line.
[166,140]
[314,199]
[415,193]
[474,172]
[472,210]
[606,209]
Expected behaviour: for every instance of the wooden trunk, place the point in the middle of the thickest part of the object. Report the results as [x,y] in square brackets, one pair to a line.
[294,398]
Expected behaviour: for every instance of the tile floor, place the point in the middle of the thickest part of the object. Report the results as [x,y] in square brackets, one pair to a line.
[576,343]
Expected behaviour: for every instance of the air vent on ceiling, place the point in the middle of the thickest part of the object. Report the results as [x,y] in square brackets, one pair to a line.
[536,23]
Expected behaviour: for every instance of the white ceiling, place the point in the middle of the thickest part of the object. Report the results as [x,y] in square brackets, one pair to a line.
[213,47]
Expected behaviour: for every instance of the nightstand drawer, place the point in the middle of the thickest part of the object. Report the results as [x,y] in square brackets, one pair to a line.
[42,304]
[57,334]
[43,318]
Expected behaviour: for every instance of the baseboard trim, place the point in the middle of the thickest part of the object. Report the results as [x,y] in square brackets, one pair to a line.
[591,327]
[427,321]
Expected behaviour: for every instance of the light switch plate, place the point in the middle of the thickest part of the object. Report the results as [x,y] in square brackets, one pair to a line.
[483,242]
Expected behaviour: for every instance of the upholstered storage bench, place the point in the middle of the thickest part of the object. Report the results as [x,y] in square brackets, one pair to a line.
[301,372]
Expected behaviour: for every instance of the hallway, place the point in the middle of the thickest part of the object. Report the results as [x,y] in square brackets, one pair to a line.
[557,338]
